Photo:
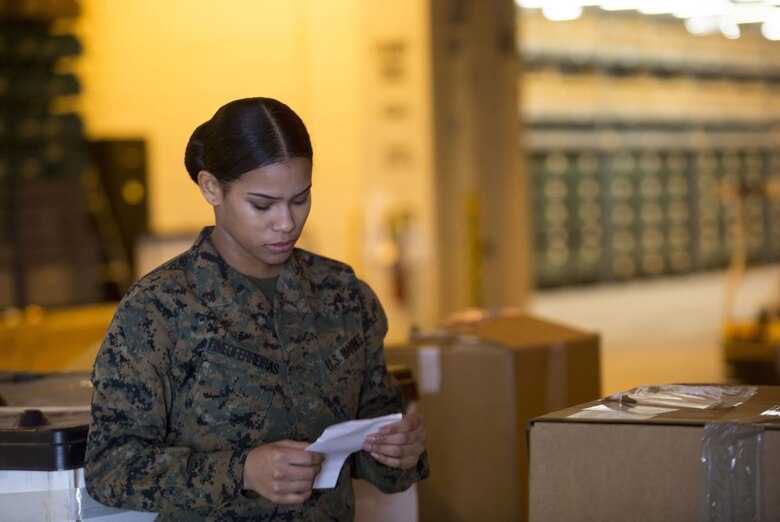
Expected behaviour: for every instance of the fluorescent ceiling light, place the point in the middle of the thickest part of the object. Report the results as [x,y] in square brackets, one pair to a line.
[562,11]
[701,25]
[620,5]
[729,28]
[771,28]
[751,14]
[651,7]
[531,4]
[701,16]
[691,8]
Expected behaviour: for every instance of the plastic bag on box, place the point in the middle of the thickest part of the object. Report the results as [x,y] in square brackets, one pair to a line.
[702,397]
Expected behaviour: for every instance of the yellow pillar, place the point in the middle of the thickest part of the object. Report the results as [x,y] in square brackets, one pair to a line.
[481,184]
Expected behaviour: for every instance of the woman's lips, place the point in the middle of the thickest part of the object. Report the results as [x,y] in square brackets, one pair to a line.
[281,247]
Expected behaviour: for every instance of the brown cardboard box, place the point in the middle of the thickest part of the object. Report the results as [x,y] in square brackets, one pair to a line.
[651,469]
[478,383]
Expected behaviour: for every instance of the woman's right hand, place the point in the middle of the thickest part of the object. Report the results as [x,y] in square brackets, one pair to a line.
[282,472]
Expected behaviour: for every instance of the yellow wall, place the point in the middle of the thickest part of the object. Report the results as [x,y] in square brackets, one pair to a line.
[398,227]
[157,69]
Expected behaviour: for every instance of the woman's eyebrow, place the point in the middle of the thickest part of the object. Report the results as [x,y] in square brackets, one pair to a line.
[276,198]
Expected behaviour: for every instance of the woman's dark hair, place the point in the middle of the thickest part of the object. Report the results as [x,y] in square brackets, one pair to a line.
[244,135]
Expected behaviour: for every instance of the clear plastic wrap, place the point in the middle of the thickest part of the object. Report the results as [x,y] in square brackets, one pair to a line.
[686,396]
[731,468]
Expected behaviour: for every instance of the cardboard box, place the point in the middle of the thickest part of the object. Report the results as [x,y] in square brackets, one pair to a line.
[478,383]
[652,469]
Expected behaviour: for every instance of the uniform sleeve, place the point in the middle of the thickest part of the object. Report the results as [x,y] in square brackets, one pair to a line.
[381,395]
[128,463]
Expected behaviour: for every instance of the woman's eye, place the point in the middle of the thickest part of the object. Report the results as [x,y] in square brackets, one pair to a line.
[258,207]
[301,201]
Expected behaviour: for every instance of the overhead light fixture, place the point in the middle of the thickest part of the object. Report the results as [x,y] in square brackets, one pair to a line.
[619,5]
[696,8]
[771,28]
[562,11]
[729,28]
[752,14]
[654,7]
[699,15]
[531,4]
[703,25]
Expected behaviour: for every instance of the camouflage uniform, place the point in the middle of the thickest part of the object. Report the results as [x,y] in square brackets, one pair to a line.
[198,367]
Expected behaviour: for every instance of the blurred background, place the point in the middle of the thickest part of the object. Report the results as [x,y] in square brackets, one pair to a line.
[554,200]
[610,165]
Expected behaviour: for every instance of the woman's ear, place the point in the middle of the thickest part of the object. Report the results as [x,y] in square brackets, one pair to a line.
[210,187]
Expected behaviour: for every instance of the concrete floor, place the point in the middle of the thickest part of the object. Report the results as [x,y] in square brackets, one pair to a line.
[659,331]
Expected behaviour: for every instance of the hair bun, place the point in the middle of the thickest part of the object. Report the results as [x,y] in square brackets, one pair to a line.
[193,155]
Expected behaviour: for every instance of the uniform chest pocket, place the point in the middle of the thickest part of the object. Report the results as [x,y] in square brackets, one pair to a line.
[237,389]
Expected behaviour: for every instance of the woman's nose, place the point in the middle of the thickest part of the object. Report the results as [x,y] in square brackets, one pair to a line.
[284,220]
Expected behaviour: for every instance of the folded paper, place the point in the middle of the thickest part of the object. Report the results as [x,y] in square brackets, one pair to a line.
[337,442]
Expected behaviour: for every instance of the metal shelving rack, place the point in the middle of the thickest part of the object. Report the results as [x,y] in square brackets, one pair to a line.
[625,189]
[49,252]
[612,206]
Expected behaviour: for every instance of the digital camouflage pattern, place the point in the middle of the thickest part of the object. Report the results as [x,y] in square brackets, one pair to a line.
[198,367]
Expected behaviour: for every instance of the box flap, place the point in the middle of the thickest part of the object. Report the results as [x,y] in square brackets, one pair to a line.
[515,329]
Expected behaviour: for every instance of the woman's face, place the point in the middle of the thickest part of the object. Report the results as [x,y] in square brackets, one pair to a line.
[261,215]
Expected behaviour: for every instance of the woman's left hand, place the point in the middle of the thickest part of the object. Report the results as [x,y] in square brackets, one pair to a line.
[400,444]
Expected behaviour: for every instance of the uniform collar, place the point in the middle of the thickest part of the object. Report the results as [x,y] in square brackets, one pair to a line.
[216,282]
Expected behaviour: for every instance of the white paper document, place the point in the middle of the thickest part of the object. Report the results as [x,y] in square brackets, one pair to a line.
[337,442]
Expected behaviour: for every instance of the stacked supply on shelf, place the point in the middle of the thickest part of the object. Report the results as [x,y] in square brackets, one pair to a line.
[650,149]
[49,251]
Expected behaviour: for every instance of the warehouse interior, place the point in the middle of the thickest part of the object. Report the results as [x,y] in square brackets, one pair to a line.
[603,173]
